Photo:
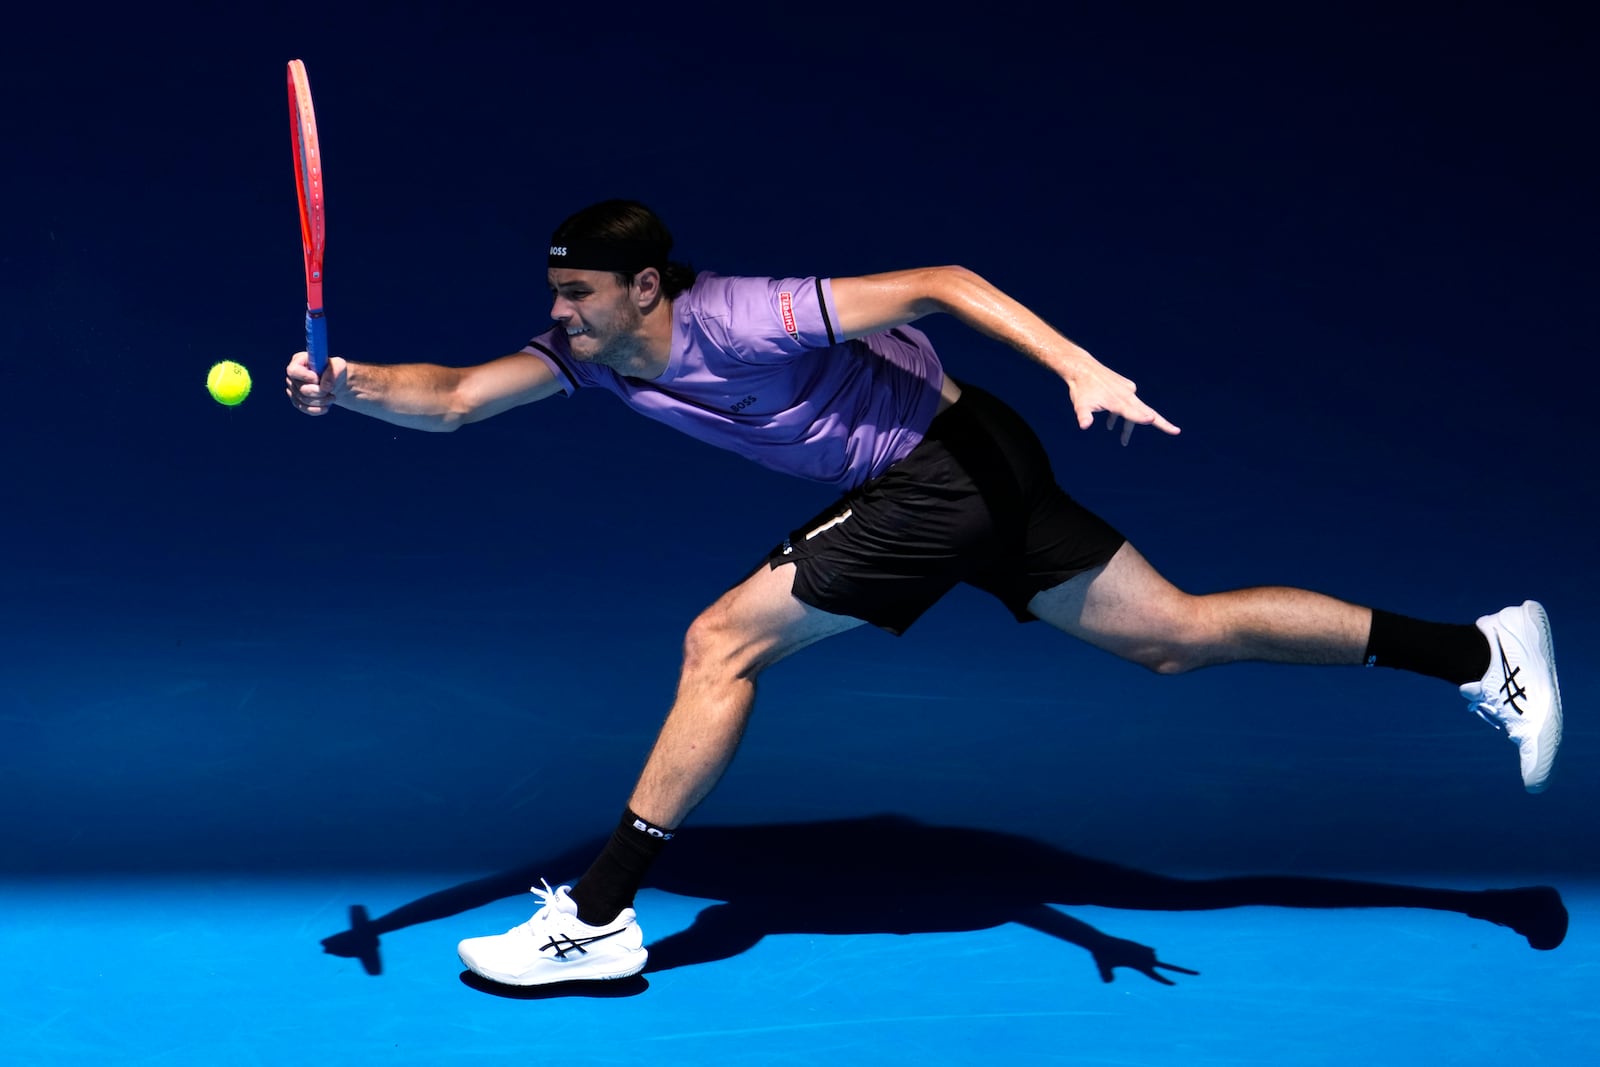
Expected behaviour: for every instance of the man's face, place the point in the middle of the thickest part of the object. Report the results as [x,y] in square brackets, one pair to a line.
[598,313]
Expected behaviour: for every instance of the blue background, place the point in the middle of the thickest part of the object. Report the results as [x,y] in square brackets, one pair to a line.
[1350,251]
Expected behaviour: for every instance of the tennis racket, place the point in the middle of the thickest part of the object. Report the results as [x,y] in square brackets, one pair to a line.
[308,182]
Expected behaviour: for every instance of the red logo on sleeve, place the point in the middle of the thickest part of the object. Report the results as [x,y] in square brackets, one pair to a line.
[786,307]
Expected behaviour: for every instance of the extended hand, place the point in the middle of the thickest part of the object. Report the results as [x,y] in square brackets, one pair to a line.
[308,392]
[1103,389]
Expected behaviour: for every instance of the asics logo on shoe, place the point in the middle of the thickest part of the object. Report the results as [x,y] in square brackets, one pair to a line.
[564,944]
[1512,689]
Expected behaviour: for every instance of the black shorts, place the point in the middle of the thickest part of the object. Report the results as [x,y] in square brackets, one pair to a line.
[975,502]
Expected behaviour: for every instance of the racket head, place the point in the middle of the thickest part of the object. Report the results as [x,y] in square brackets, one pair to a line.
[308,184]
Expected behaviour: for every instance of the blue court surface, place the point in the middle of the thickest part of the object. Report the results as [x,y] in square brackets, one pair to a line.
[229,970]
[289,706]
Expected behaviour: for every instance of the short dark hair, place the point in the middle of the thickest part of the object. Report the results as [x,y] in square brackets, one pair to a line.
[627,220]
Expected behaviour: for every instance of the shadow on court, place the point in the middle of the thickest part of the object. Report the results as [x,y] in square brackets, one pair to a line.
[891,874]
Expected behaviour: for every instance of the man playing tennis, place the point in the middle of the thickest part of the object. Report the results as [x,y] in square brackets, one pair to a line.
[942,484]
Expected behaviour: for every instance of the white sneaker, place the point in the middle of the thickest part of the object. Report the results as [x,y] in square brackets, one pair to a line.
[556,946]
[1520,695]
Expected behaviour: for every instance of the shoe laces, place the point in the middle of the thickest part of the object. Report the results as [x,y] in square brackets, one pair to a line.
[1488,709]
[1492,708]
[547,905]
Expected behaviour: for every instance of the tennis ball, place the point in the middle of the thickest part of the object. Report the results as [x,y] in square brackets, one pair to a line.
[228,383]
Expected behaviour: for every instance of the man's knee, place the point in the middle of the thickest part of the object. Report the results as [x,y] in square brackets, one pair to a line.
[1180,639]
[1167,658]
[755,625]
[714,642]
[1166,634]
[703,638]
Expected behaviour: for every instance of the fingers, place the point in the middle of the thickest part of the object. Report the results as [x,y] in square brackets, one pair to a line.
[1144,417]
[1118,400]
[311,405]
[1127,426]
[307,391]
[300,367]
[1163,425]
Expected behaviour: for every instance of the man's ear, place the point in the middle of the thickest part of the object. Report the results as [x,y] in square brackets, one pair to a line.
[647,284]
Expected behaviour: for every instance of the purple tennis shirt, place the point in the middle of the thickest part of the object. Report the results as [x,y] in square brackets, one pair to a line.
[756,368]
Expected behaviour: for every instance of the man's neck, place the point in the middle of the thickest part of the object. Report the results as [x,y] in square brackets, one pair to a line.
[651,352]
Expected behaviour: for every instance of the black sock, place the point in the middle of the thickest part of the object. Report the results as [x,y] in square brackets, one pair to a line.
[611,881]
[1455,652]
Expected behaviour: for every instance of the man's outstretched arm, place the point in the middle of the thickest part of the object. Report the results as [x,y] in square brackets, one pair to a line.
[874,302]
[423,396]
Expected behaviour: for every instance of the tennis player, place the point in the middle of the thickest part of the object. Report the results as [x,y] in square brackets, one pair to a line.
[940,483]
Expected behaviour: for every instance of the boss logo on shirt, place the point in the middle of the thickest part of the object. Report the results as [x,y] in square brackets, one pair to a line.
[741,405]
[786,309]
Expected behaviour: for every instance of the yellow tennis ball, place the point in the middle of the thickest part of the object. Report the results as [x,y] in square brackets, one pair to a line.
[228,383]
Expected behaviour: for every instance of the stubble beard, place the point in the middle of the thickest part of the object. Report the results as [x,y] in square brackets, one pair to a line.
[623,346]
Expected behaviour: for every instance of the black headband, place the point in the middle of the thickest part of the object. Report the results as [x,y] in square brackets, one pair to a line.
[604,253]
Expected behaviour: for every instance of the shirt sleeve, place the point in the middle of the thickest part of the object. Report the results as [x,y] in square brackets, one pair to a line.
[544,347]
[770,320]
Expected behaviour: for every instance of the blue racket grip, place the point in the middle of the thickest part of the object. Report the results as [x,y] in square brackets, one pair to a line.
[316,339]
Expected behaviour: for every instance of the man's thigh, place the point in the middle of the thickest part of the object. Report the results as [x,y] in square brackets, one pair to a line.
[761,621]
[1121,606]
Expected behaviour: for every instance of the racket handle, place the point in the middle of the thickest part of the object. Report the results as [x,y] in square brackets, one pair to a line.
[316,339]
